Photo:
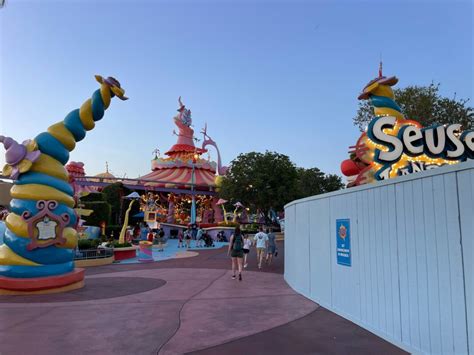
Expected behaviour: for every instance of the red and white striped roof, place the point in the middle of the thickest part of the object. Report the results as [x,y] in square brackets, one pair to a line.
[181,178]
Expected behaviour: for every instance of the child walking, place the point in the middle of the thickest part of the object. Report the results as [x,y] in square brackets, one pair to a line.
[247,245]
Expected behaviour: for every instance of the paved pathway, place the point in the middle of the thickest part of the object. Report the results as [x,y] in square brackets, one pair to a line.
[179,306]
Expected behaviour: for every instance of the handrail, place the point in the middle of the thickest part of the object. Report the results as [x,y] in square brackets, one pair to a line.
[97,253]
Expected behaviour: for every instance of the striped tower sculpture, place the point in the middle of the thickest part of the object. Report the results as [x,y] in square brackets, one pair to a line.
[40,237]
[360,168]
[363,166]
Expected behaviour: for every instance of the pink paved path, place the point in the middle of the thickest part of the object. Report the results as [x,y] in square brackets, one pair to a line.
[176,307]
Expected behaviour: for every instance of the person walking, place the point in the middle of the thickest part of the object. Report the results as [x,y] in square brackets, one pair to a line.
[187,237]
[161,236]
[236,251]
[247,245]
[180,239]
[271,248]
[136,232]
[199,239]
[150,235]
[261,240]
[144,232]
[194,232]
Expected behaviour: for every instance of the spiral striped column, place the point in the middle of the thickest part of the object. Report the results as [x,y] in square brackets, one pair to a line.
[382,100]
[44,187]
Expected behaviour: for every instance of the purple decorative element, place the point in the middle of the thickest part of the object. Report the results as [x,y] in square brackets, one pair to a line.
[114,86]
[112,81]
[16,153]
[45,216]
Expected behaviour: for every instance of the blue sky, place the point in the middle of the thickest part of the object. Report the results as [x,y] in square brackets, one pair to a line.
[264,75]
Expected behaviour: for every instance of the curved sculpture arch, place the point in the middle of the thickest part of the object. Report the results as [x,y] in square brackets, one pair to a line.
[41,228]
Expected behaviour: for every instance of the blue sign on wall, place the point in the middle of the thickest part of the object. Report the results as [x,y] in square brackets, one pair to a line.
[343,244]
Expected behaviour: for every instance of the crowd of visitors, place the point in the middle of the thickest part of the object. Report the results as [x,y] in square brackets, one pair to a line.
[239,248]
[201,238]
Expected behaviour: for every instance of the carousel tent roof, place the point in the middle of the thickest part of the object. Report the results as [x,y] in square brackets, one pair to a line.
[179,177]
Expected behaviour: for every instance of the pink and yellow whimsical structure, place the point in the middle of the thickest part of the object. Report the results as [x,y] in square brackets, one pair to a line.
[184,169]
[181,187]
[76,171]
[176,169]
[39,241]
[394,146]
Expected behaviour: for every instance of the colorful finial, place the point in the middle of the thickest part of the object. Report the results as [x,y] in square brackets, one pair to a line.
[380,69]
[114,86]
[19,157]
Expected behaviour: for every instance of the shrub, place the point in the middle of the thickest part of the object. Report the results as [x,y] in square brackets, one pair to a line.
[93,197]
[84,244]
[94,243]
[228,224]
[101,213]
[124,245]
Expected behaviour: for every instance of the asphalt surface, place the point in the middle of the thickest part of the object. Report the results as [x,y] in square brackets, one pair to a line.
[181,306]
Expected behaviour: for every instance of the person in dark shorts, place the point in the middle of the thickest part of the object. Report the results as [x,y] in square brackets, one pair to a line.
[271,247]
[236,251]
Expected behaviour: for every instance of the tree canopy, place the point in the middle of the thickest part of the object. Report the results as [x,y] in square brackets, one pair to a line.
[314,182]
[96,201]
[425,105]
[264,181]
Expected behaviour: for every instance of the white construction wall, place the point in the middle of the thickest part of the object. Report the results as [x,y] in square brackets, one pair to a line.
[412,249]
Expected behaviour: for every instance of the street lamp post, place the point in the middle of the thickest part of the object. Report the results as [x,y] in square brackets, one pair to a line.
[193,201]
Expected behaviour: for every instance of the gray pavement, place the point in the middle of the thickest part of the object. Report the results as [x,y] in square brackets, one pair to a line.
[180,306]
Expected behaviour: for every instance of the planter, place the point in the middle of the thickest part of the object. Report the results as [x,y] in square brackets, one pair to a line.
[125,253]
[94,262]
[145,253]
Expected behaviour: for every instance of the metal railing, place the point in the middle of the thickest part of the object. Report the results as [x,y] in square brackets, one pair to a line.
[99,253]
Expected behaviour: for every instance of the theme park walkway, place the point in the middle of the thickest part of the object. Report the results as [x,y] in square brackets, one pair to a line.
[180,306]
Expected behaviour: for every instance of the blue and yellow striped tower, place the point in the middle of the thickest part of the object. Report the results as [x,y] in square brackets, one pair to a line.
[39,241]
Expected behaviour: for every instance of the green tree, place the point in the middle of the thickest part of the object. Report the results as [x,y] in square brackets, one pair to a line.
[101,213]
[314,182]
[264,181]
[333,182]
[93,197]
[96,201]
[425,105]
[261,181]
